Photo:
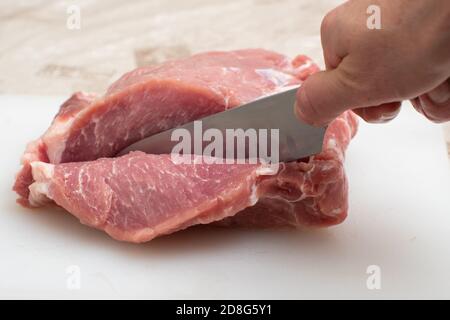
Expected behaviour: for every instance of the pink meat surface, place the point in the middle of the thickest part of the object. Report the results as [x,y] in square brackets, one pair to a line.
[138,196]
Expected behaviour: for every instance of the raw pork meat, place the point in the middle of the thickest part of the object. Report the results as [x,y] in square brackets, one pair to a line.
[138,196]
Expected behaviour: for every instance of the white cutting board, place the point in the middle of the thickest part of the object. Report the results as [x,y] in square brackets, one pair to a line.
[399,221]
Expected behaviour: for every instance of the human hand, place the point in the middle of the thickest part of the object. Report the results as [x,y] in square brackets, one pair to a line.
[372,70]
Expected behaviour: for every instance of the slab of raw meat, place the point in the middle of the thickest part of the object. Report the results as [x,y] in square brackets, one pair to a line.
[311,192]
[139,196]
[151,99]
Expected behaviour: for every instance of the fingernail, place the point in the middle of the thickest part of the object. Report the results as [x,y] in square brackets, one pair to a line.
[297,111]
[300,115]
[440,94]
[382,119]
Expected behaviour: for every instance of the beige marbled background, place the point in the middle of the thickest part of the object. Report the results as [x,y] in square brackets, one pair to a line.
[40,55]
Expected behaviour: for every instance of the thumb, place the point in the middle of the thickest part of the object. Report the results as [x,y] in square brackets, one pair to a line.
[323,97]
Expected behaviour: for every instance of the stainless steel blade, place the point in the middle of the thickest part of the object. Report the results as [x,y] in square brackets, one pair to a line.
[296,139]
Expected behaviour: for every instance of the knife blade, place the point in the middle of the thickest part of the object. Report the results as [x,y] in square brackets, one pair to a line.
[296,139]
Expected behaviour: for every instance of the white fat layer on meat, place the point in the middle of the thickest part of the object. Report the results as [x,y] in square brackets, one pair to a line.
[261,171]
[59,128]
[62,129]
[38,194]
[253,196]
[278,78]
[39,190]
[42,171]
[332,144]
[31,152]
[305,66]
[334,212]
[266,170]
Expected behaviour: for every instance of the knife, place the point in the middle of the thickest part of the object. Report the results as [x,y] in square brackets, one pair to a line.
[296,139]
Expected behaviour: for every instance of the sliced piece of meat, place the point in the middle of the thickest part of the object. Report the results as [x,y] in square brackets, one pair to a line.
[139,196]
[62,165]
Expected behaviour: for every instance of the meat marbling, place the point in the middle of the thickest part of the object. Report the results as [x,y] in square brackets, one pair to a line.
[138,196]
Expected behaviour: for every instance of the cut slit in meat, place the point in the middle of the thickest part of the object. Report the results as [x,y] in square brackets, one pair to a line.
[138,197]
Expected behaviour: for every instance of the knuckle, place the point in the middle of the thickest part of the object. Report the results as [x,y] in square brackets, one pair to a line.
[327,22]
[369,87]
[353,82]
